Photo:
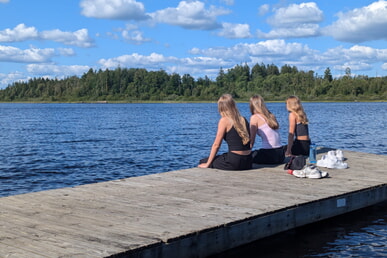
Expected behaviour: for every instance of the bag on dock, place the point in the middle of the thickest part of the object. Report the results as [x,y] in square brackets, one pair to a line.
[295,163]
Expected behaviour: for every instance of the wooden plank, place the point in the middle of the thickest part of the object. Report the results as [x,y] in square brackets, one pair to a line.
[193,209]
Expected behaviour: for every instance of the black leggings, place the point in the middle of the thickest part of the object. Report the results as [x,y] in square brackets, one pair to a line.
[269,156]
[301,147]
[231,161]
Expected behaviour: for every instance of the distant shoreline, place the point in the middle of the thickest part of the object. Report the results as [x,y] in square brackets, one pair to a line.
[172,102]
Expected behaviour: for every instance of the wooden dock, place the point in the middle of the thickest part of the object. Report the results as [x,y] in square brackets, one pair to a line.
[187,213]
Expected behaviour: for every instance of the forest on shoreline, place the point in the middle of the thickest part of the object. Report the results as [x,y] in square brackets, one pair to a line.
[140,85]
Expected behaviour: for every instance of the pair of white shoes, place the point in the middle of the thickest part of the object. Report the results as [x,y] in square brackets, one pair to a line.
[333,159]
[310,171]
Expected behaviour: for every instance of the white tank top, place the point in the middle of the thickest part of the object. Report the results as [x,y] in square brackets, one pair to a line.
[270,137]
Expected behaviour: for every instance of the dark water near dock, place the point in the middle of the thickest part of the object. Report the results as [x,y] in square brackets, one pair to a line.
[48,146]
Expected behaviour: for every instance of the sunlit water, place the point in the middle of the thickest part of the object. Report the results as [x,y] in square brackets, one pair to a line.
[46,146]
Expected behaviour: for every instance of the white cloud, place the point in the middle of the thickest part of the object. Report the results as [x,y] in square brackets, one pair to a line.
[21,32]
[245,52]
[131,34]
[361,24]
[190,15]
[57,71]
[263,9]
[79,38]
[32,55]
[384,66]
[154,60]
[66,51]
[4,1]
[234,31]
[355,54]
[293,21]
[280,52]
[9,78]
[296,14]
[134,36]
[113,9]
[301,31]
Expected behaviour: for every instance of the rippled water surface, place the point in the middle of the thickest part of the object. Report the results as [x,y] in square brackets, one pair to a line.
[46,146]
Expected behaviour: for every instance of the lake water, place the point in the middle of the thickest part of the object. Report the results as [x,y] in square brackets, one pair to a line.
[46,146]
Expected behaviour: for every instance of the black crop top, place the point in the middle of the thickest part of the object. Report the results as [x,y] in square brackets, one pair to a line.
[234,141]
[302,130]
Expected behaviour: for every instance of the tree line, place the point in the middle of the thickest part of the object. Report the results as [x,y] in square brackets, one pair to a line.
[138,84]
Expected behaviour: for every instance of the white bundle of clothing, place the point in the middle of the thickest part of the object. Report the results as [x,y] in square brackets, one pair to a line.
[333,159]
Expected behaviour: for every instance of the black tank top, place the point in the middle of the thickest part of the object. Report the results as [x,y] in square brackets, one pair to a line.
[302,129]
[234,141]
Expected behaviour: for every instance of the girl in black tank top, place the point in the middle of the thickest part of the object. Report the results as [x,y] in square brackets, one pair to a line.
[234,129]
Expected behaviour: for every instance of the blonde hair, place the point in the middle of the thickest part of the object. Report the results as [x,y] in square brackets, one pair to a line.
[227,108]
[257,105]
[293,104]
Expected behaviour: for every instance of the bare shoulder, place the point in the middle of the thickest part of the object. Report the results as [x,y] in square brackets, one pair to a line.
[292,115]
[253,118]
[224,121]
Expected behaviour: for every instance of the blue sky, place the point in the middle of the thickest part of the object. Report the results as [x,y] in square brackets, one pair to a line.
[62,38]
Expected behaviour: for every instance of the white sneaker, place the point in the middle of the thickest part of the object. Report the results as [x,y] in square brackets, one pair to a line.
[322,162]
[340,155]
[340,165]
[324,174]
[309,172]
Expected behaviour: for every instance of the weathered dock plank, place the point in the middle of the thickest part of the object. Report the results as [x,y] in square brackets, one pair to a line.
[187,213]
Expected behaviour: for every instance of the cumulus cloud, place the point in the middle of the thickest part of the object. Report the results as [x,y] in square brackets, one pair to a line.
[361,24]
[32,55]
[354,55]
[113,9]
[303,30]
[66,51]
[244,52]
[79,38]
[21,32]
[190,15]
[154,60]
[9,78]
[132,34]
[235,31]
[53,70]
[263,9]
[296,14]
[293,21]
[280,52]
[384,66]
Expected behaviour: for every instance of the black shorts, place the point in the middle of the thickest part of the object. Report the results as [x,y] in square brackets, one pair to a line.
[300,147]
[269,156]
[231,161]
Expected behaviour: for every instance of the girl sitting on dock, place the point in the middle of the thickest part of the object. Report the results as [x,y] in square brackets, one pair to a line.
[264,124]
[234,129]
[298,138]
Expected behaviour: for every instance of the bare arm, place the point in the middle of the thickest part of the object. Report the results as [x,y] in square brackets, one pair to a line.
[222,128]
[292,129]
[253,130]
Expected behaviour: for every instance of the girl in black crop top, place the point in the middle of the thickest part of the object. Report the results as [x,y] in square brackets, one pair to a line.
[298,138]
[234,129]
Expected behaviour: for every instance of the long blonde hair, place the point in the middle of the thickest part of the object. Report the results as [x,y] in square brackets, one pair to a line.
[257,105]
[227,108]
[293,104]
